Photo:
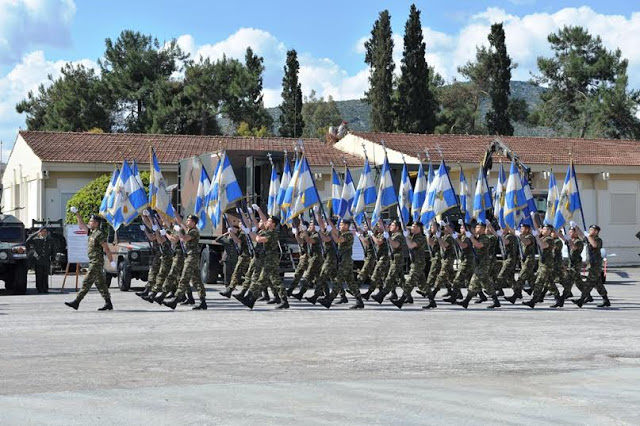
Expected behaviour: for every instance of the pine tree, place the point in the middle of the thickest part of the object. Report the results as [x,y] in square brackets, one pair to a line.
[379,57]
[498,120]
[415,106]
[291,122]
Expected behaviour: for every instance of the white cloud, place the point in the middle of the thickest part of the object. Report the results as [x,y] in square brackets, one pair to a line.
[27,23]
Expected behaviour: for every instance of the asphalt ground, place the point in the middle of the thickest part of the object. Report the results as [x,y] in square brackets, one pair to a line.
[144,364]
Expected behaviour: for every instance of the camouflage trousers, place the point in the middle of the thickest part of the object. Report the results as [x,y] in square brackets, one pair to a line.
[239,271]
[494,269]
[166,261]
[191,274]
[269,277]
[153,270]
[345,275]
[395,276]
[301,267]
[506,276]
[177,264]
[434,271]
[416,277]
[367,269]
[570,278]
[463,276]
[95,275]
[594,279]
[327,273]
[445,276]
[312,272]
[379,273]
[481,280]
[253,272]
[526,275]
[544,280]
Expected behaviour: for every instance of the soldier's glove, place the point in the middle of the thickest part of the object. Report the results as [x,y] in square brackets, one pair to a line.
[438,234]
[460,222]
[154,227]
[572,224]
[244,229]
[455,235]
[487,222]
[329,228]
[142,227]
[145,212]
[163,232]
[566,237]
[405,233]
[370,233]
[442,223]
[114,264]
[358,234]
[385,235]
[177,228]
[254,229]
[534,232]
[518,233]
[468,234]
[73,209]
[499,232]
[294,230]
[255,207]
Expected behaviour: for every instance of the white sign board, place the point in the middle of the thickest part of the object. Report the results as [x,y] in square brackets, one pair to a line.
[77,244]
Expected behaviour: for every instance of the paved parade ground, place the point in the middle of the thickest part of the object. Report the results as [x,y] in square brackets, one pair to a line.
[145,364]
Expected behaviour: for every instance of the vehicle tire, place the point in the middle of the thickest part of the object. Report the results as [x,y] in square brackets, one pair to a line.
[208,272]
[124,276]
[20,278]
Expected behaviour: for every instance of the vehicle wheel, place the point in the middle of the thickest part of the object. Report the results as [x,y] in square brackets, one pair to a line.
[20,278]
[205,268]
[124,276]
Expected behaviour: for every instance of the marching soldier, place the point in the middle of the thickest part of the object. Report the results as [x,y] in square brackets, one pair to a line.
[311,237]
[364,274]
[436,258]
[528,262]
[594,269]
[244,260]
[166,259]
[417,244]
[96,250]
[447,258]
[382,261]
[156,261]
[480,279]
[506,276]
[303,260]
[329,266]
[177,264]
[42,255]
[257,261]
[572,275]
[465,267]
[544,276]
[396,272]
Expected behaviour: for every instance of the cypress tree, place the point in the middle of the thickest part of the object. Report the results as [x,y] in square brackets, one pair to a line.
[415,106]
[498,120]
[379,57]
[291,122]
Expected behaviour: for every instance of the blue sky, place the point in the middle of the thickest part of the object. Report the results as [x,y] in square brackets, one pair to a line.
[38,36]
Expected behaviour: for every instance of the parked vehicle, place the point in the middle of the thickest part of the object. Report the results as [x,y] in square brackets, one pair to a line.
[13,254]
[133,254]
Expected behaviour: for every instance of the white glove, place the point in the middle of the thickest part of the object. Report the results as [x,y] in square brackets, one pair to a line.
[427,233]
[249,208]
[533,214]
[294,230]
[370,233]
[566,237]
[73,209]
[114,264]
[244,229]
[163,232]
[518,233]
[442,223]
[438,234]
[572,224]
[460,221]
[499,232]
[303,228]
[253,229]
[177,228]
[255,207]
[468,234]
[316,208]
[455,235]
[145,212]
[358,234]
[142,227]
[154,227]
[405,233]
[385,235]
[329,228]
[534,232]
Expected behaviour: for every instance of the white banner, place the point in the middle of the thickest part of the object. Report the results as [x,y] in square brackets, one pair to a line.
[77,244]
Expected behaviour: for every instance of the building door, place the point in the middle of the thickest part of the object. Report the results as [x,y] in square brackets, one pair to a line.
[64,197]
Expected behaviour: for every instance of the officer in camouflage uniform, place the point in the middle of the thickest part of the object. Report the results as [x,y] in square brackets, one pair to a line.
[594,269]
[243,262]
[572,275]
[465,267]
[229,256]
[191,269]
[417,244]
[156,261]
[166,259]
[558,263]
[303,260]
[42,255]
[311,237]
[436,257]
[177,264]
[528,262]
[494,249]
[364,275]
[382,262]
[96,250]
[256,263]
[447,274]
[506,276]
[329,268]
[480,279]
[544,276]
[396,271]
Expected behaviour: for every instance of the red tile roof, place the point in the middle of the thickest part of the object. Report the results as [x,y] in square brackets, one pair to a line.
[531,150]
[68,147]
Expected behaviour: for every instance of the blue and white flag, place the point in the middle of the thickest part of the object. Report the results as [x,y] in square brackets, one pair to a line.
[273,208]
[348,194]
[386,193]
[419,194]
[482,198]
[569,203]
[136,173]
[430,175]
[284,182]
[466,202]
[530,206]
[225,190]
[306,192]
[405,195]
[514,200]
[130,198]
[333,203]
[499,198]
[365,193]
[290,192]
[441,196]
[109,195]
[159,198]
[202,195]
[552,200]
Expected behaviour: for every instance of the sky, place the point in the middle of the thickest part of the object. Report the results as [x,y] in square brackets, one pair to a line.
[37,37]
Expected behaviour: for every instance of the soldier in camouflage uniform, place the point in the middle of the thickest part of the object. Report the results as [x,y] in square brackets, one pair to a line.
[329,268]
[243,262]
[364,275]
[303,260]
[156,261]
[480,279]
[166,259]
[528,262]
[382,261]
[572,274]
[558,264]
[594,269]
[191,269]
[465,267]
[447,274]
[433,246]
[417,244]
[395,275]
[96,250]
[311,237]
[544,276]
[257,261]
[506,276]
[494,249]
[177,264]
[42,255]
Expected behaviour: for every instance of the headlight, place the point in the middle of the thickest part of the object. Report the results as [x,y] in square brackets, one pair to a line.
[3,255]
[19,249]
[134,255]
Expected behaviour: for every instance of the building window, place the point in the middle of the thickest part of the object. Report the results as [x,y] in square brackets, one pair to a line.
[623,209]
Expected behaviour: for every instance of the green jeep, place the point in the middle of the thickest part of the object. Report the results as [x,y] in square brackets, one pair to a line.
[13,254]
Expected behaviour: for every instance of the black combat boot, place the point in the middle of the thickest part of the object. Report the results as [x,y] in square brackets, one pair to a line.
[326,301]
[249,300]
[455,295]
[187,299]
[423,293]
[73,304]
[517,294]
[605,302]
[149,297]
[284,304]
[359,303]
[265,296]
[482,297]
[240,296]
[299,294]
[171,304]
[290,290]
[500,292]
[107,306]
[366,295]
[589,299]
[226,293]
[313,299]
[541,296]
[202,306]
[399,302]
[532,302]
[496,302]
[343,299]
[171,295]
[143,292]
[433,293]
[529,290]
[275,301]
[160,298]
[379,297]
[559,302]
[409,300]
[465,302]
[394,295]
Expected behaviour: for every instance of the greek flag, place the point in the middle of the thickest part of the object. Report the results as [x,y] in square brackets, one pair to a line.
[419,194]
[284,183]
[225,190]
[273,208]
[348,194]
[365,193]
[202,197]
[482,198]
[290,193]
[306,192]
[405,196]
[107,201]
[466,202]
[441,196]
[499,198]
[386,193]
[130,198]
[159,198]
[136,174]
[530,206]
[514,198]
[430,175]
[569,202]
[333,204]
[552,200]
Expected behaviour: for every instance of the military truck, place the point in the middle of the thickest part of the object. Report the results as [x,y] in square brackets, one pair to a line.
[13,254]
[133,254]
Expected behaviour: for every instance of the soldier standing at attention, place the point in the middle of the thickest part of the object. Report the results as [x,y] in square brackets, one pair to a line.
[594,269]
[544,276]
[311,237]
[528,262]
[191,269]
[96,250]
[480,279]
[465,267]
[417,244]
[303,260]
[244,260]
[436,258]
[43,253]
[382,262]
[396,272]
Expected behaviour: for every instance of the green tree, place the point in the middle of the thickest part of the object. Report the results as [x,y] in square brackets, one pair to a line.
[498,120]
[319,115]
[133,67]
[415,106]
[251,108]
[588,95]
[379,57]
[74,102]
[458,109]
[291,121]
